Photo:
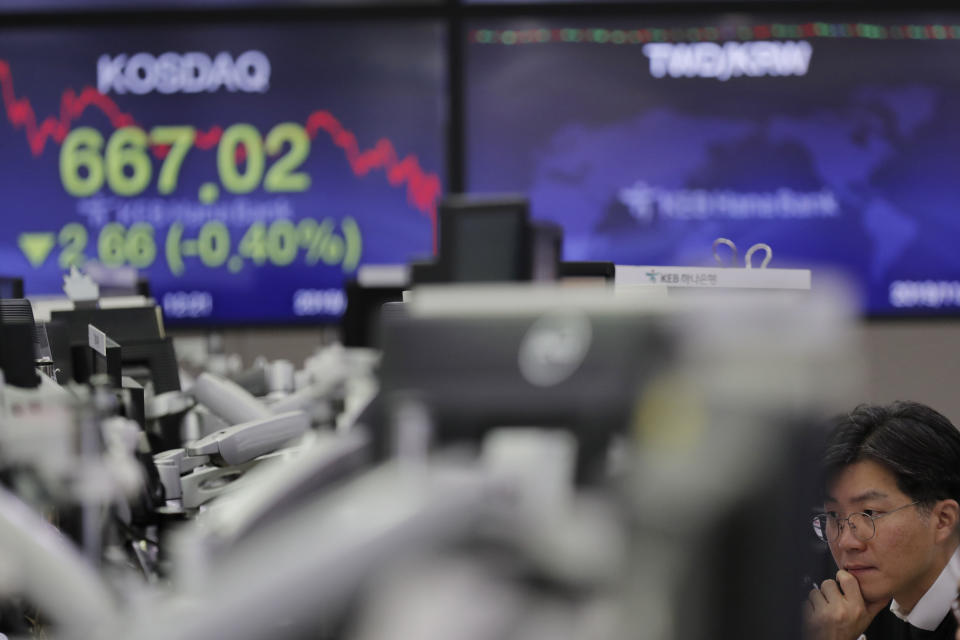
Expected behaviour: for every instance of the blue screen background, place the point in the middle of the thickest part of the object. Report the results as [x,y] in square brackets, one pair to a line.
[872,125]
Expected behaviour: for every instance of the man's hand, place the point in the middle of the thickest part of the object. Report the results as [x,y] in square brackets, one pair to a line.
[836,611]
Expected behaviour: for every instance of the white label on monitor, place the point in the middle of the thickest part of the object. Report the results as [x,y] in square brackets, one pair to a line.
[97,340]
[383,275]
[712,277]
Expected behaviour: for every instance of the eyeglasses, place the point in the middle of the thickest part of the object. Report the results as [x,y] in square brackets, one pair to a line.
[828,526]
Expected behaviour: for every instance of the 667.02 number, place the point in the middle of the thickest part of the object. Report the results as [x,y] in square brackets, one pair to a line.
[127,169]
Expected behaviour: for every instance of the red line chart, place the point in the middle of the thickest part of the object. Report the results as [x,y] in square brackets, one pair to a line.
[423,187]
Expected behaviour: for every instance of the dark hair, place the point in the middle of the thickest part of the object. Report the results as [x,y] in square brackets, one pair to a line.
[917,444]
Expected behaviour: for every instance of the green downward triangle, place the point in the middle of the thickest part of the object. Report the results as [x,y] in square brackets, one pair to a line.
[36,247]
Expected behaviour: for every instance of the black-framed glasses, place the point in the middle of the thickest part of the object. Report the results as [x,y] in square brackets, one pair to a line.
[828,526]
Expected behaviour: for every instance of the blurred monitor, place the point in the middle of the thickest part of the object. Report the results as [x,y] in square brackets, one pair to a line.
[426,272]
[481,358]
[122,323]
[547,251]
[485,239]
[360,323]
[151,362]
[11,287]
[18,343]
[68,334]
[586,271]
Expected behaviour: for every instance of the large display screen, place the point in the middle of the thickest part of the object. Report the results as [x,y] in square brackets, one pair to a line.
[836,143]
[23,6]
[589,2]
[245,170]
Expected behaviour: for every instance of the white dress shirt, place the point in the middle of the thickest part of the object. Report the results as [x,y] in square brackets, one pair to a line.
[935,603]
[930,610]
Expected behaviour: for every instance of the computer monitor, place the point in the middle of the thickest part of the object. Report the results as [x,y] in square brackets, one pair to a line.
[547,251]
[16,311]
[483,358]
[69,338]
[18,343]
[11,287]
[17,355]
[133,368]
[485,239]
[121,324]
[359,325]
[152,361]
[147,354]
[604,271]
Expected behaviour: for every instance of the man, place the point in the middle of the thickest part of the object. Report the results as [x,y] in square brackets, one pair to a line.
[891,509]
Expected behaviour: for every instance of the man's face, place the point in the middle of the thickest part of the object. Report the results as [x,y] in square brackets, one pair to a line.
[900,560]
